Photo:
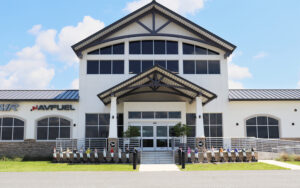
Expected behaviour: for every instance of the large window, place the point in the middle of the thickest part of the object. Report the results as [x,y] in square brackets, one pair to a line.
[108,50]
[201,67]
[213,125]
[11,129]
[51,128]
[97,125]
[262,127]
[153,47]
[189,49]
[105,67]
[138,66]
[154,115]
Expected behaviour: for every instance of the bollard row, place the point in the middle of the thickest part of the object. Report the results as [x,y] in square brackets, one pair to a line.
[214,156]
[88,156]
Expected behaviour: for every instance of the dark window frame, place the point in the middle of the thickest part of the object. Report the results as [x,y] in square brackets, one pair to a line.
[254,121]
[12,129]
[50,127]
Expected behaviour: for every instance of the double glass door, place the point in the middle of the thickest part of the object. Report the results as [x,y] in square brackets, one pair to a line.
[155,136]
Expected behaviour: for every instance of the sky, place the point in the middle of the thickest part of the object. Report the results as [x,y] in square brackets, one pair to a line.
[36,36]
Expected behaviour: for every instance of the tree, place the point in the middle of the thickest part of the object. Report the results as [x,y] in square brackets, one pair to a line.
[181,130]
[132,131]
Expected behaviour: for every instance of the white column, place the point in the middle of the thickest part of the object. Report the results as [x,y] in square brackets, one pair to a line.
[113,127]
[199,118]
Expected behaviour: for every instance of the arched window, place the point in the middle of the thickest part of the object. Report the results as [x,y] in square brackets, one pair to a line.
[262,127]
[11,128]
[51,128]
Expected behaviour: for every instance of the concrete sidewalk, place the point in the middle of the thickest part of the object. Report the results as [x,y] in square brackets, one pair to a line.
[281,164]
[158,167]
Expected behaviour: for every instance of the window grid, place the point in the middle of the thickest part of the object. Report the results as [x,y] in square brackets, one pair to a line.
[260,125]
[207,51]
[168,65]
[98,51]
[112,68]
[154,114]
[201,61]
[209,123]
[12,127]
[141,52]
[56,126]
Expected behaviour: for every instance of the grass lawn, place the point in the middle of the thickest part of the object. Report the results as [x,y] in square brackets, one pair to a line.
[231,166]
[44,166]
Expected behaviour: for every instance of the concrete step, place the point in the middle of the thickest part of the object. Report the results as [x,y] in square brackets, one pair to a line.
[157,157]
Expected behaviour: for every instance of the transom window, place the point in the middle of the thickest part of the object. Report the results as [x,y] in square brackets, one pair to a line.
[138,66]
[109,50]
[262,127]
[201,67]
[154,115]
[105,67]
[11,129]
[51,128]
[190,49]
[153,47]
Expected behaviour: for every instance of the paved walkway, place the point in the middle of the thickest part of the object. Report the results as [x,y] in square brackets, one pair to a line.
[158,167]
[281,164]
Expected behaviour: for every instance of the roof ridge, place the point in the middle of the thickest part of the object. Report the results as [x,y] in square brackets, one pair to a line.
[264,89]
[39,89]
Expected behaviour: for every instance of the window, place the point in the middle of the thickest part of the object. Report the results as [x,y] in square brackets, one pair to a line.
[189,49]
[52,128]
[201,67]
[106,67]
[191,119]
[213,67]
[262,127]
[138,66]
[108,50]
[172,66]
[154,115]
[11,128]
[213,125]
[97,125]
[92,67]
[153,47]
[147,47]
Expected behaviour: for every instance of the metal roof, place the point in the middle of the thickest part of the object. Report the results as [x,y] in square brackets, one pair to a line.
[39,95]
[263,94]
[156,79]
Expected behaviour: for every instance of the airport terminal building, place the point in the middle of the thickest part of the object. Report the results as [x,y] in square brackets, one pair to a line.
[151,69]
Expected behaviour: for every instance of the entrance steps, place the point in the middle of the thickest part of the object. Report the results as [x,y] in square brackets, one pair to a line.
[157,157]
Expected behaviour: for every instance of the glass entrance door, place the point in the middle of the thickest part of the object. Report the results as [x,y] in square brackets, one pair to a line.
[155,136]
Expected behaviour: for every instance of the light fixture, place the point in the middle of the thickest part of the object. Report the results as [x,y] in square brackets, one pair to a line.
[199,116]
[237,124]
[74,125]
[295,110]
[293,124]
[113,117]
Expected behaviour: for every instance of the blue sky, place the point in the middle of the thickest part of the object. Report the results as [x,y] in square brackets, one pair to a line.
[266,34]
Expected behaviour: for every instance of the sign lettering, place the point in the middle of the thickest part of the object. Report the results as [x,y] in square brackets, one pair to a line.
[8,107]
[67,107]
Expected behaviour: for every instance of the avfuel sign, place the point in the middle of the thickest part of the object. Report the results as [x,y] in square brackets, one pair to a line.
[60,107]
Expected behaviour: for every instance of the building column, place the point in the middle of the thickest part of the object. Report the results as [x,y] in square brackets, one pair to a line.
[199,118]
[113,127]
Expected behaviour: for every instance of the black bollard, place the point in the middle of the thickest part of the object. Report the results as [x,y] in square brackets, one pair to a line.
[179,156]
[183,160]
[134,159]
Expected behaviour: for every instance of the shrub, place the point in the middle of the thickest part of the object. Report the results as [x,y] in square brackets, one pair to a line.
[297,158]
[285,157]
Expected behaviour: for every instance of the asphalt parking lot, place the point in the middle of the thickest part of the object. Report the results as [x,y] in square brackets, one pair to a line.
[211,179]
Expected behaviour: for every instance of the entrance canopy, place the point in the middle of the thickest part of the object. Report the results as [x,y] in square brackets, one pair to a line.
[157,80]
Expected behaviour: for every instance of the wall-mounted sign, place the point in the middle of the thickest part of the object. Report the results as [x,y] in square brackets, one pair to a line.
[8,107]
[200,143]
[67,107]
[112,144]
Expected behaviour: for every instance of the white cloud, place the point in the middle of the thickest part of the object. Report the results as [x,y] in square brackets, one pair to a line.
[236,73]
[75,84]
[235,84]
[180,6]
[260,55]
[59,43]
[29,70]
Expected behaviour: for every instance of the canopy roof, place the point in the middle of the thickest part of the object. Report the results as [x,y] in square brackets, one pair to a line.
[155,79]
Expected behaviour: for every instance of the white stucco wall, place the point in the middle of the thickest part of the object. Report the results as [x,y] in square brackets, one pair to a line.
[31,117]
